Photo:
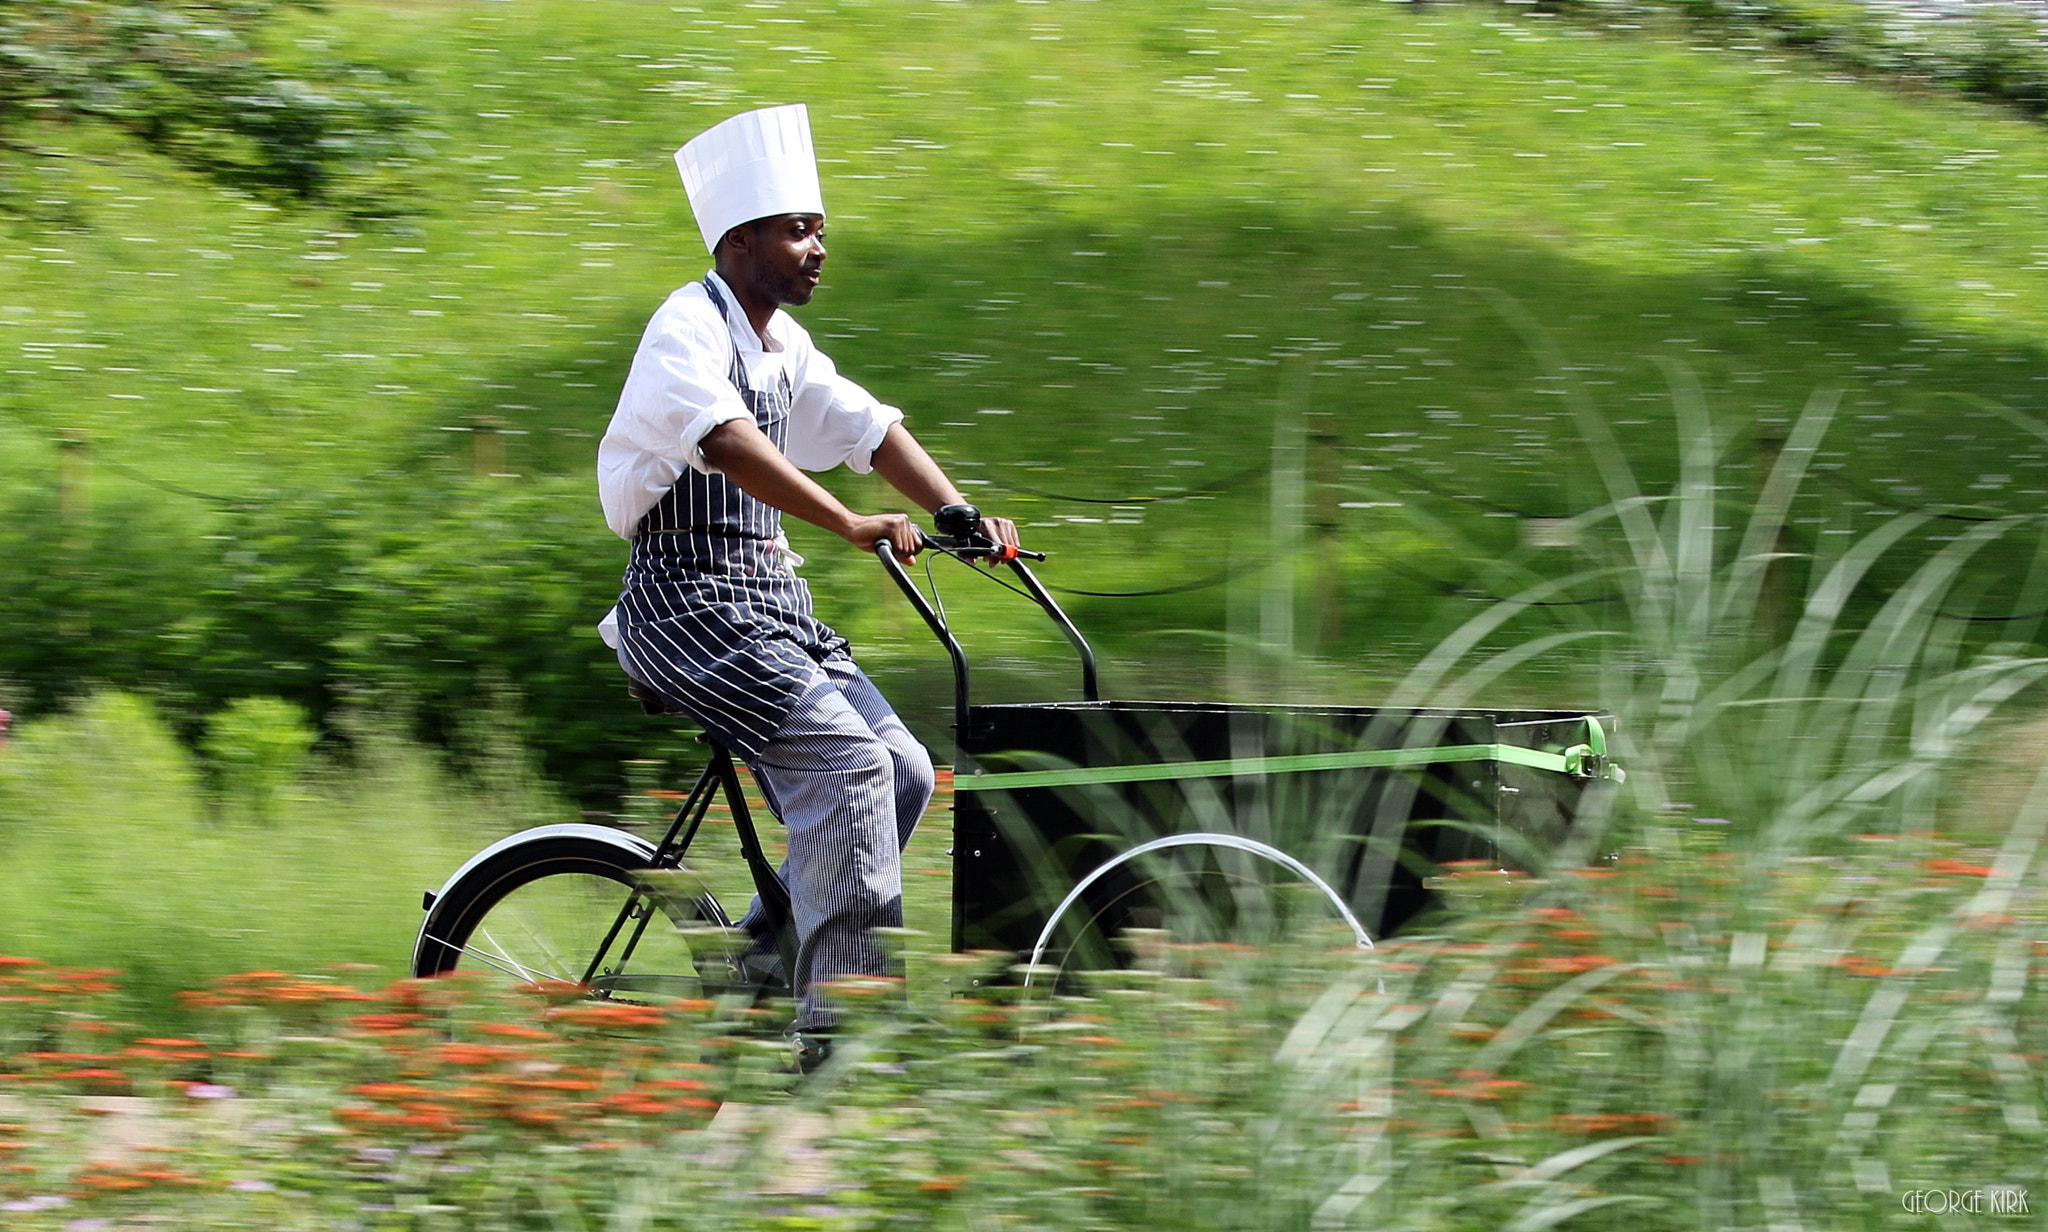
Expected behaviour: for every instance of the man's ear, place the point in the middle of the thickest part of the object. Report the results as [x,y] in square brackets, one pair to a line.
[738,240]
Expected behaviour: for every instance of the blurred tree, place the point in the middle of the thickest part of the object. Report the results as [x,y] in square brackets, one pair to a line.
[496,589]
[185,80]
[258,748]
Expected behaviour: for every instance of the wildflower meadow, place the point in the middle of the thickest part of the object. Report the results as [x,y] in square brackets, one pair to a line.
[1610,1046]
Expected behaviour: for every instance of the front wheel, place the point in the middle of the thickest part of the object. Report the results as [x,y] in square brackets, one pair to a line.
[569,904]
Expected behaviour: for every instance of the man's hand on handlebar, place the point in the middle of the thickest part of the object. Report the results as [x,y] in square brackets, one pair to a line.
[963,532]
[1003,531]
[902,533]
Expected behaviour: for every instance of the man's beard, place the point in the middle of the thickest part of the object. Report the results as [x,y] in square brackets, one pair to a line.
[792,290]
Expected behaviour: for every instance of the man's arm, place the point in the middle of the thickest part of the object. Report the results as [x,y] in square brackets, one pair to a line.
[750,459]
[911,471]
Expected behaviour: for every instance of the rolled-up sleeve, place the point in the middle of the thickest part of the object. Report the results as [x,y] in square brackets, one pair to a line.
[676,393]
[832,420]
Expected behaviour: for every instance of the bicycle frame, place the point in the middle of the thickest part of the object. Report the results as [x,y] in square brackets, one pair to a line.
[943,629]
[719,775]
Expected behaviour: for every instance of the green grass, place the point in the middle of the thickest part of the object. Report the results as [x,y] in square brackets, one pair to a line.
[122,856]
[1142,238]
[127,852]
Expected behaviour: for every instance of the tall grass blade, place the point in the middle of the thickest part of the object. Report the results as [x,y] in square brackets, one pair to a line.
[1524,1026]
[1536,1218]
[1767,520]
[1689,523]
[1419,687]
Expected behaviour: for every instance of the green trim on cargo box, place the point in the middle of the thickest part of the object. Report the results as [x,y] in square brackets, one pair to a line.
[1245,767]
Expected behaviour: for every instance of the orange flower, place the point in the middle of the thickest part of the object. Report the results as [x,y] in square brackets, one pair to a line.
[555,1084]
[387,1024]
[473,1054]
[555,992]
[617,1015]
[1612,1122]
[391,1092]
[434,1118]
[865,987]
[512,1030]
[1984,921]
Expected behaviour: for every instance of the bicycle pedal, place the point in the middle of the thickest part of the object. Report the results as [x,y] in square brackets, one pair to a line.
[810,1050]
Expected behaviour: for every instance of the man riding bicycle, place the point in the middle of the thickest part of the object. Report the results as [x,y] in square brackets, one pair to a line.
[726,405]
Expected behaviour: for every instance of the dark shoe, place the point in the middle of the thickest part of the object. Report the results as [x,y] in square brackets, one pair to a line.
[811,1049]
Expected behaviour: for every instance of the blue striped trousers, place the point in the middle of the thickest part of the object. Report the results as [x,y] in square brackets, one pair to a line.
[850,782]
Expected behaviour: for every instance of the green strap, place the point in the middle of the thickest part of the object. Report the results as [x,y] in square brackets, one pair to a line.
[1011,780]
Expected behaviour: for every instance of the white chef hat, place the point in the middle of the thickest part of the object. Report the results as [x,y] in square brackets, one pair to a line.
[756,164]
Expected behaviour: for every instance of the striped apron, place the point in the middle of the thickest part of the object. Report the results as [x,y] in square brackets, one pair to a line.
[711,618]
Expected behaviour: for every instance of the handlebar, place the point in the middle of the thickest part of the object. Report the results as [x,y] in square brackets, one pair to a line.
[975,547]
[960,535]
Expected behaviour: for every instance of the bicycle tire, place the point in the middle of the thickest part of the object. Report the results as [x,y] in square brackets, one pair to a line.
[538,906]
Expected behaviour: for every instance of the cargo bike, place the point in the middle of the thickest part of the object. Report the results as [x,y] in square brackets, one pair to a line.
[1073,822]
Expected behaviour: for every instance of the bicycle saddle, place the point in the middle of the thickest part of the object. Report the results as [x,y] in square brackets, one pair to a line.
[648,701]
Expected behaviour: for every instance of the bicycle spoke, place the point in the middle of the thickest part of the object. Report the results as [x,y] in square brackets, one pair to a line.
[510,966]
[545,951]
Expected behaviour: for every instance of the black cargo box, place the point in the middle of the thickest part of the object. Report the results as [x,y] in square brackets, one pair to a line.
[1368,798]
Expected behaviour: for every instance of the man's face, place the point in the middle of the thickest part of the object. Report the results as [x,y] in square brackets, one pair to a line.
[788,252]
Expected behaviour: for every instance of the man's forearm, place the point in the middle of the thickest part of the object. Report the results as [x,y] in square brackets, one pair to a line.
[751,460]
[904,464]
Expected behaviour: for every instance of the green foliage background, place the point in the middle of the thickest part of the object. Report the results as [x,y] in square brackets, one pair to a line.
[1094,252]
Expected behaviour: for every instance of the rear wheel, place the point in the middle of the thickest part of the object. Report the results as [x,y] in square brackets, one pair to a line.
[579,909]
